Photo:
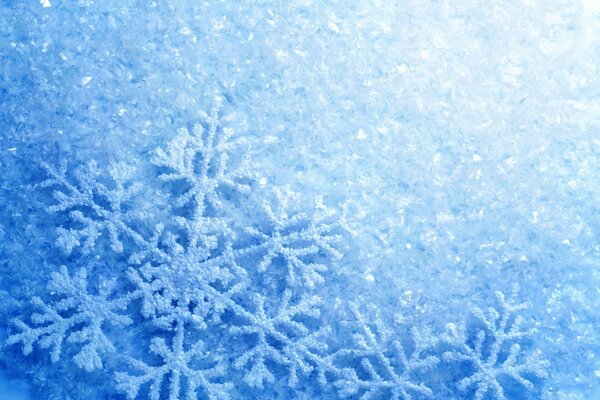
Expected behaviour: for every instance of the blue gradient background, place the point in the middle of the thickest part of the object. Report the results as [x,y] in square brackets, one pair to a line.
[457,141]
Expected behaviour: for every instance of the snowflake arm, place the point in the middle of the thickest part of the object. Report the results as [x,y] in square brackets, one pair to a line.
[77,317]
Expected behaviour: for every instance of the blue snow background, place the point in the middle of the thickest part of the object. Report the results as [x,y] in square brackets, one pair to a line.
[364,199]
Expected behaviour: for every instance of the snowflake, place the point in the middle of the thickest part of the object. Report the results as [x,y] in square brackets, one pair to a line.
[388,370]
[77,317]
[295,238]
[281,338]
[190,280]
[487,352]
[201,159]
[186,288]
[177,362]
[94,206]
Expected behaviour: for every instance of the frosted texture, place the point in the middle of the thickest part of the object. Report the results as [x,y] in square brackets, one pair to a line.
[300,199]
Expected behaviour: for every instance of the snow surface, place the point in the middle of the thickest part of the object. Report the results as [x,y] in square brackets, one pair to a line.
[300,199]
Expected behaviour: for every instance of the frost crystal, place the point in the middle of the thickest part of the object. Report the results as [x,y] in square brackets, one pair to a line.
[186,287]
[201,160]
[281,338]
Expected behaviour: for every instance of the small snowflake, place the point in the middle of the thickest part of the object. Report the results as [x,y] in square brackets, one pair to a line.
[281,338]
[202,160]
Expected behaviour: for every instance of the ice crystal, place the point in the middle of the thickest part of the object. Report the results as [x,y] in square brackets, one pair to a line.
[297,347]
[202,161]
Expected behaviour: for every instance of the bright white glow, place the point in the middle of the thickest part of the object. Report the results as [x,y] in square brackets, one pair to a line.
[591,5]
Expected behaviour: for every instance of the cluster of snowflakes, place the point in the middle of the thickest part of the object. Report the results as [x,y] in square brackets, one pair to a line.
[214,297]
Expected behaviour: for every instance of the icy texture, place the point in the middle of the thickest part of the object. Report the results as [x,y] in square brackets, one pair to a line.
[303,199]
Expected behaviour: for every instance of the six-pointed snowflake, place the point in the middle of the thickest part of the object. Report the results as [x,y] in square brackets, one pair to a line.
[178,362]
[386,371]
[75,315]
[495,353]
